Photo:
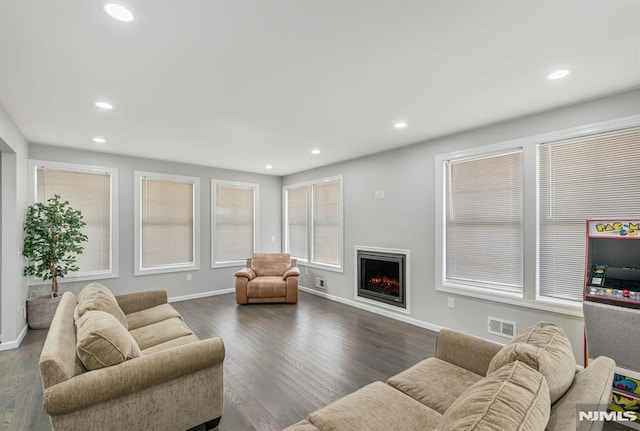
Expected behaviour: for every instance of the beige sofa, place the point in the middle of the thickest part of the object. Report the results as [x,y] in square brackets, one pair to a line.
[147,368]
[268,277]
[471,384]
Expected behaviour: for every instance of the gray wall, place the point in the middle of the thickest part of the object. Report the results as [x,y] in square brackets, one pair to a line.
[405,218]
[13,289]
[203,280]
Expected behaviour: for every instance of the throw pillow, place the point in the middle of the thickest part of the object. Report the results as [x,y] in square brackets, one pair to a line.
[546,348]
[95,296]
[513,398]
[102,341]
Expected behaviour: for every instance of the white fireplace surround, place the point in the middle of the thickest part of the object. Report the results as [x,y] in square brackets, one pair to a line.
[407,255]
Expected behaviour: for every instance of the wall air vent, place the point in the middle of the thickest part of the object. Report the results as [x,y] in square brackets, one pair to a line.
[501,327]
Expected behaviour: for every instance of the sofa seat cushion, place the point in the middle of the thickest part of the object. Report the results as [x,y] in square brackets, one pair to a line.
[267,287]
[160,332]
[102,341]
[375,407]
[151,315]
[180,341]
[546,348]
[435,383]
[513,398]
[95,296]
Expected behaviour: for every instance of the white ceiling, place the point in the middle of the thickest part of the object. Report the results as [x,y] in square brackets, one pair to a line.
[244,83]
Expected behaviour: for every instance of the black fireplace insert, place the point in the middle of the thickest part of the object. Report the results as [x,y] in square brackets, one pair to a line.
[381,277]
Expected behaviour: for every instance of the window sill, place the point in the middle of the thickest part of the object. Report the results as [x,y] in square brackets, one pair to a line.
[514,299]
[229,264]
[331,268]
[166,269]
[73,279]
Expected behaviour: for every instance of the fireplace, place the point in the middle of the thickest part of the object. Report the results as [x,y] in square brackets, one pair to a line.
[381,276]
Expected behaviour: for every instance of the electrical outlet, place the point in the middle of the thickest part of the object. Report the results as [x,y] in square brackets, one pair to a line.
[451,302]
[24,312]
[188,277]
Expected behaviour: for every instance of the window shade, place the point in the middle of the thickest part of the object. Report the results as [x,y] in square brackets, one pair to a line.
[297,216]
[234,223]
[327,226]
[591,177]
[167,212]
[91,194]
[484,237]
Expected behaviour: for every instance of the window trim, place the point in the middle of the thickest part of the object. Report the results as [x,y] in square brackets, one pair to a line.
[530,297]
[309,261]
[256,212]
[193,266]
[112,272]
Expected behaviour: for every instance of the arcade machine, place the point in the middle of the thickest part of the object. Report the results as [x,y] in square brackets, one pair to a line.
[612,306]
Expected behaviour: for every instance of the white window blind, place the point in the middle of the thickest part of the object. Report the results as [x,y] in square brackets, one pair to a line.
[234,213]
[327,223]
[91,194]
[297,202]
[590,177]
[167,222]
[483,232]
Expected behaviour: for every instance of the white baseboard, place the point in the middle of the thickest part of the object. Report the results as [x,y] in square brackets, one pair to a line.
[7,345]
[373,309]
[201,295]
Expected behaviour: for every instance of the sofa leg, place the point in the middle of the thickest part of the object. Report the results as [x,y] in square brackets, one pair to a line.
[209,425]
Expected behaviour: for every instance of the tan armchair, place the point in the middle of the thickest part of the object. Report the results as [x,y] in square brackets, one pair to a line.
[268,277]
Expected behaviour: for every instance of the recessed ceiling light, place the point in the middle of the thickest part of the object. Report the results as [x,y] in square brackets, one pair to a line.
[558,74]
[400,125]
[268,167]
[119,12]
[99,140]
[315,151]
[104,105]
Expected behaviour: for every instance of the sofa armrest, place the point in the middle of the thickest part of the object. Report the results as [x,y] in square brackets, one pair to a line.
[291,272]
[466,351]
[98,386]
[137,301]
[247,273]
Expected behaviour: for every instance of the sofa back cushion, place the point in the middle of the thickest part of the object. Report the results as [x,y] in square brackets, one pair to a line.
[544,347]
[271,263]
[97,297]
[102,341]
[513,398]
[58,359]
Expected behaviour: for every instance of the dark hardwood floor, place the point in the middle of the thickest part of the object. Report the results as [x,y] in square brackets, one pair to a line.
[282,361]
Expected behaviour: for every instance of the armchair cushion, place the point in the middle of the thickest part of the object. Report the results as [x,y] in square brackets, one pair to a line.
[102,341]
[271,263]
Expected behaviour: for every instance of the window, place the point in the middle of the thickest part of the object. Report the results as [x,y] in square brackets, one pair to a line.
[512,217]
[483,226]
[590,177]
[167,208]
[297,234]
[92,190]
[233,215]
[313,222]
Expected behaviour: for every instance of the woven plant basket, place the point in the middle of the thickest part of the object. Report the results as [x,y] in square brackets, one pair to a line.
[40,310]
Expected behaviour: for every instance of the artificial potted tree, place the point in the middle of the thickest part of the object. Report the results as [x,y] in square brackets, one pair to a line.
[52,241]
